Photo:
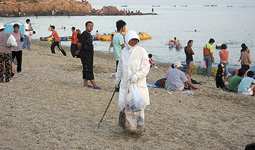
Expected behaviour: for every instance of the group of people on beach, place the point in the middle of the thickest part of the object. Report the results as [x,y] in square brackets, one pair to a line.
[10,53]
[242,82]
[132,66]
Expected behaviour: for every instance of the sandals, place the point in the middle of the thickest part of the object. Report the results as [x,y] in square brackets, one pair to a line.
[96,88]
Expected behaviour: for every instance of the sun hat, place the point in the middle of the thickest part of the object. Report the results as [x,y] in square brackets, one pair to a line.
[177,65]
[1,26]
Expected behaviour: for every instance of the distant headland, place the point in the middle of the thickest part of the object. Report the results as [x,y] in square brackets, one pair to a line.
[19,8]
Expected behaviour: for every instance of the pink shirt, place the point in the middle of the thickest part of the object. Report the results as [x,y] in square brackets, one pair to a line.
[17,37]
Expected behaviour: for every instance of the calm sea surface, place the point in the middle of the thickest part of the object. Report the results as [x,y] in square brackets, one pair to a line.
[233,25]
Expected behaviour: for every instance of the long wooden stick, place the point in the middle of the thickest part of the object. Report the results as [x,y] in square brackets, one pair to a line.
[106,109]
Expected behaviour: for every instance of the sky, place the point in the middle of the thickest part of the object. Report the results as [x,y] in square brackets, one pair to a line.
[172,2]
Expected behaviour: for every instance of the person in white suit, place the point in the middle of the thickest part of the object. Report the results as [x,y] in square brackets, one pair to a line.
[132,69]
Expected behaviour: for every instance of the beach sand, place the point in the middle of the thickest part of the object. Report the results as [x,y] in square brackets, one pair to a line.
[47,107]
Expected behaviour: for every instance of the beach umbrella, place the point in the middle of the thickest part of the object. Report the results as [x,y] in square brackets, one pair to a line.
[8,28]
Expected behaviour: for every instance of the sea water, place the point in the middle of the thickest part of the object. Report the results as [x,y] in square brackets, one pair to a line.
[233,25]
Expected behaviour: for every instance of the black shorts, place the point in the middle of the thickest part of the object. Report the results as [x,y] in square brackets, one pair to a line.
[87,64]
[245,67]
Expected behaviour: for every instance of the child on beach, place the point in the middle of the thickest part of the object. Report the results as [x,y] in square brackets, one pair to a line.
[150,60]
[220,79]
[247,86]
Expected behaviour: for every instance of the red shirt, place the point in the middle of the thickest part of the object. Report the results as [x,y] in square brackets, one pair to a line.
[224,55]
[56,37]
[74,40]
[150,61]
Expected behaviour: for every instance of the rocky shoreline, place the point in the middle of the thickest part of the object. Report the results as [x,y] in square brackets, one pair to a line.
[14,8]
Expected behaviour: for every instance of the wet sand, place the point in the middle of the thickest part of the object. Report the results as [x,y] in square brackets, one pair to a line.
[46,107]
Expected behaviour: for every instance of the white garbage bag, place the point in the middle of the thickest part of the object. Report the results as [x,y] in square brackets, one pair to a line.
[11,42]
[135,100]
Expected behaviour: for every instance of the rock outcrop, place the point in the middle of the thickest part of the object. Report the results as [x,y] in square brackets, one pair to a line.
[44,7]
[58,7]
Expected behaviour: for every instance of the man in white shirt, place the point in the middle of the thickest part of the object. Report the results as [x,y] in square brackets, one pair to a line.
[177,79]
[26,42]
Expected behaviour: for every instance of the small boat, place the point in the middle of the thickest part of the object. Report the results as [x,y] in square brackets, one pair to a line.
[213,5]
[144,36]
[64,38]
[108,37]
[230,6]
[184,5]
[172,5]
[155,5]
[124,6]
[207,5]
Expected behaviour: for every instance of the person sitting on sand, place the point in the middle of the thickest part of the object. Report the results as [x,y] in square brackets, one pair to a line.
[247,86]
[170,68]
[177,80]
[220,79]
[235,81]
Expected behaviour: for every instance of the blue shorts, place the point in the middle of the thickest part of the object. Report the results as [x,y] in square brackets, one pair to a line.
[187,62]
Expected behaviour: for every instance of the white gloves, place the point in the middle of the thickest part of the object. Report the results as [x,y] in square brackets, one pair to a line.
[117,83]
[121,106]
[134,79]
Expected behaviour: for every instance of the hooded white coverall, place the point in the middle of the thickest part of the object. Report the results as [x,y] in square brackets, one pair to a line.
[133,65]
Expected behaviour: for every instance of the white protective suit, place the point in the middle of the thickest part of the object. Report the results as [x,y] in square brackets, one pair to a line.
[134,63]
